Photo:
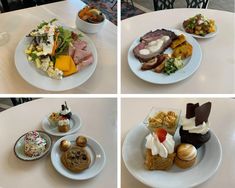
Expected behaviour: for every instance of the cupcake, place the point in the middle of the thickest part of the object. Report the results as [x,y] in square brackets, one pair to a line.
[34,144]
[53,119]
[64,125]
[195,127]
[159,153]
[163,119]
[186,155]
[65,111]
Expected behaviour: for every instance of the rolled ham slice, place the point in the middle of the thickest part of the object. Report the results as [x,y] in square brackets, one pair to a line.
[85,62]
[80,55]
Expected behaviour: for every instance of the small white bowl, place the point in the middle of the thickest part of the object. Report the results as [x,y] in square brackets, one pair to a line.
[89,27]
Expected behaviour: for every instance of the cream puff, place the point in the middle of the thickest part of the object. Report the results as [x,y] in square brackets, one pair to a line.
[81,141]
[186,155]
[65,145]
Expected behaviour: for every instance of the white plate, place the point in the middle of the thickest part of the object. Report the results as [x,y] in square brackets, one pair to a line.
[75,125]
[95,151]
[210,35]
[39,79]
[208,160]
[19,147]
[191,64]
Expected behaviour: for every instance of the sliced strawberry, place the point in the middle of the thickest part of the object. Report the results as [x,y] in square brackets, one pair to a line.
[161,134]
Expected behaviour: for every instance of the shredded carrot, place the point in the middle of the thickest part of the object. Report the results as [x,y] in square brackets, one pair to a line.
[55,44]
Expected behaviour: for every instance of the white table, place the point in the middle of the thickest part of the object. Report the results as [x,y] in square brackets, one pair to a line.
[222,123]
[216,73]
[98,118]
[21,22]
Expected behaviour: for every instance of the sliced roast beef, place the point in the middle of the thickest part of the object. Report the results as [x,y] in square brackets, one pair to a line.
[154,35]
[146,44]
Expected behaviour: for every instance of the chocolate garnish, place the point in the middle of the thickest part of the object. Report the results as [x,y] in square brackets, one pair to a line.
[63,107]
[190,110]
[202,113]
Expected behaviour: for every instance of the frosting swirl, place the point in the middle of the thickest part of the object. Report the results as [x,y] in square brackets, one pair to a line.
[190,126]
[156,147]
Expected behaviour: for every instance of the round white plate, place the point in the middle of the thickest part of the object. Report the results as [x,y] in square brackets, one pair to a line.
[39,79]
[19,147]
[208,160]
[75,125]
[95,151]
[210,35]
[191,64]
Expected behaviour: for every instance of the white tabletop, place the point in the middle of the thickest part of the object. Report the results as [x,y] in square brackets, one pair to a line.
[19,23]
[216,73]
[222,123]
[98,118]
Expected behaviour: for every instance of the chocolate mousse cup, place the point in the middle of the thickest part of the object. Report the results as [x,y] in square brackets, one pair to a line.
[67,115]
[201,114]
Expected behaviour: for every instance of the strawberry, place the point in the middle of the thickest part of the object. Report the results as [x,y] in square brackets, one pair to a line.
[161,134]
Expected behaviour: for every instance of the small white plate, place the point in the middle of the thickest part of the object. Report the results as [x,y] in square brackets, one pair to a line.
[210,35]
[95,151]
[208,160]
[39,79]
[191,64]
[19,147]
[75,125]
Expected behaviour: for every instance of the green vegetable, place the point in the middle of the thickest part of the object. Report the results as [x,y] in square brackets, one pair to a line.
[170,66]
[46,23]
[64,38]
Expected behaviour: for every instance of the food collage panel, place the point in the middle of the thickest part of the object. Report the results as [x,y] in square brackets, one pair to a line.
[117,93]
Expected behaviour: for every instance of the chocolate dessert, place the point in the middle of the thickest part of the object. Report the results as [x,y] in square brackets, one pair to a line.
[195,128]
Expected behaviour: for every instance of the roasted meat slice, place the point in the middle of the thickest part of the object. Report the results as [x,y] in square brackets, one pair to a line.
[153,44]
[153,63]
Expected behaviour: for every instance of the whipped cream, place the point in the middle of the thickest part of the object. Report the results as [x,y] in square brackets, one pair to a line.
[63,122]
[65,111]
[164,148]
[190,126]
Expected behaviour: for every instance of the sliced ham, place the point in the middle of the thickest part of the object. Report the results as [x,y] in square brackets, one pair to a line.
[80,55]
[80,44]
[85,62]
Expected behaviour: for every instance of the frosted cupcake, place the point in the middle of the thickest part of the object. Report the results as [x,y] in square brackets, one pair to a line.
[195,128]
[160,148]
[34,145]
[64,125]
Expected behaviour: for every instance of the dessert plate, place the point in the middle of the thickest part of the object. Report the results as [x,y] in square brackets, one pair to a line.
[19,147]
[95,151]
[75,125]
[38,79]
[210,35]
[208,160]
[191,64]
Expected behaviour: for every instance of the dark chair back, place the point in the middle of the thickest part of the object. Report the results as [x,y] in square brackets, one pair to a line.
[197,3]
[17,101]
[163,4]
